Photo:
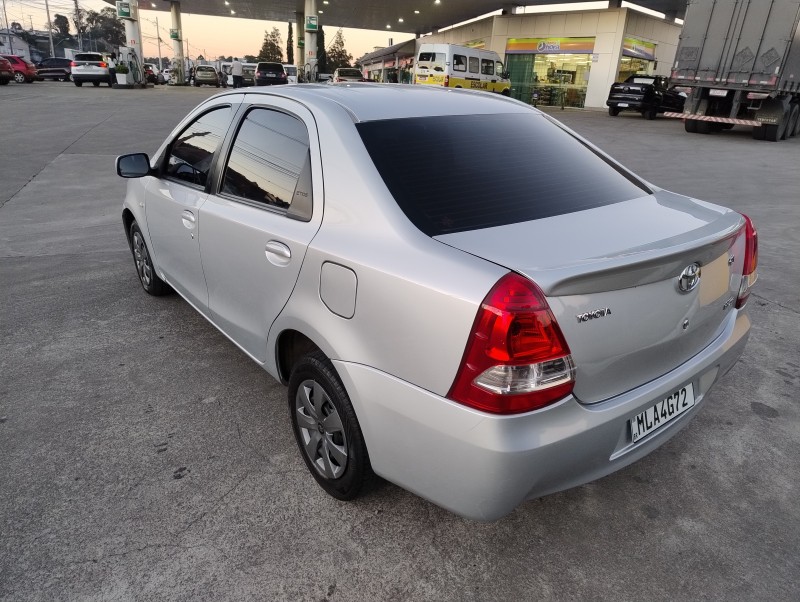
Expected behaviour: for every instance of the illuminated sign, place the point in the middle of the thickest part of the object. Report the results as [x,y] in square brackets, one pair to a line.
[550,46]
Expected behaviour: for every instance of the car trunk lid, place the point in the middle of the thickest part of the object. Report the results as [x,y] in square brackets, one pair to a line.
[613,279]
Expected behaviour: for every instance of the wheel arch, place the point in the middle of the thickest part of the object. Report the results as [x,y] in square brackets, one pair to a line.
[290,346]
[127,219]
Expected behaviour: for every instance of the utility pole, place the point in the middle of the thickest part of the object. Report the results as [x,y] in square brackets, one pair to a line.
[158,38]
[78,26]
[8,29]
[49,28]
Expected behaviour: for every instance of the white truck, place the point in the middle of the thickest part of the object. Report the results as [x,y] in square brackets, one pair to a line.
[739,62]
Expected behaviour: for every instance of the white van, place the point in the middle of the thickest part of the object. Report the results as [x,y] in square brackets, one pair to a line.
[291,73]
[461,67]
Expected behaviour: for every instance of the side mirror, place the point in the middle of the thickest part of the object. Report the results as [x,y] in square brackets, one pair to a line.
[136,165]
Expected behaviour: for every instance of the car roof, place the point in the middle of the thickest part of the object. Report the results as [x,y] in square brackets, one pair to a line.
[374,101]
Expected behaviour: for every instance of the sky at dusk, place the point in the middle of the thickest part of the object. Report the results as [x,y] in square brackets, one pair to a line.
[210,36]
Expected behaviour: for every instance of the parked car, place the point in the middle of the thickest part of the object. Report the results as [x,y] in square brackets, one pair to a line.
[150,73]
[6,71]
[206,74]
[248,75]
[645,94]
[24,70]
[90,67]
[55,68]
[167,73]
[270,74]
[347,74]
[477,336]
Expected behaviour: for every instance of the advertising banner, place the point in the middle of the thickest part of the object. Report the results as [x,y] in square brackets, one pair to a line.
[550,46]
[639,49]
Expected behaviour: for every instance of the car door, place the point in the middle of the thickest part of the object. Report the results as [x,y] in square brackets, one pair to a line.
[256,229]
[174,201]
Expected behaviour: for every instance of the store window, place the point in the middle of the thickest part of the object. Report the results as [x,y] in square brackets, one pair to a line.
[638,58]
[550,71]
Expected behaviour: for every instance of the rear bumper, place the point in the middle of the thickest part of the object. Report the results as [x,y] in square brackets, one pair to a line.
[482,466]
[91,77]
[629,105]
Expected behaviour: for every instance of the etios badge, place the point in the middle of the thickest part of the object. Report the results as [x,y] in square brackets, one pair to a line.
[689,278]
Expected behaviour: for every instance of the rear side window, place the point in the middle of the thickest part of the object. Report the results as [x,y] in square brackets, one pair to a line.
[459,62]
[269,163]
[474,64]
[466,172]
[192,152]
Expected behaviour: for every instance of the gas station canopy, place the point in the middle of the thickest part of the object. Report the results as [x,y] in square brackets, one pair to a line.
[409,16]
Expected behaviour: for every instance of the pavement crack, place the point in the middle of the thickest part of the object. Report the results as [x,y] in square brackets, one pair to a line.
[214,508]
[781,305]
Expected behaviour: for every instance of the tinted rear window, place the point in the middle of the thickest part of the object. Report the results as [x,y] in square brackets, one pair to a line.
[88,57]
[270,67]
[466,172]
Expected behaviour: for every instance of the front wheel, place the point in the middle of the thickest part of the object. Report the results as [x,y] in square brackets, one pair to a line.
[96,84]
[19,77]
[79,84]
[613,111]
[151,283]
[326,428]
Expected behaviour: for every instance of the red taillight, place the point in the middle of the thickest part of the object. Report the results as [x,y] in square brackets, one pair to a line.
[749,269]
[102,64]
[446,81]
[73,64]
[516,358]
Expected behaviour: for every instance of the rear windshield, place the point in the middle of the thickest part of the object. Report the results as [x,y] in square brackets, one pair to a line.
[349,72]
[290,70]
[434,58]
[272,67]
[202,68]
[88,57]
[466,172]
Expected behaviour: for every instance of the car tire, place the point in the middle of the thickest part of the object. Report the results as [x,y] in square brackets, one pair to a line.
[326,428]
[79,84]
[151,283]
[217,85]
[19,77]
[196,84]
[96,84]
[613,111]
[650,114]
[690,125]
[704,127]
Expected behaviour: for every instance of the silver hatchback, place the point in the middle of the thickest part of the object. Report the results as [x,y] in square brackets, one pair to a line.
[463,296]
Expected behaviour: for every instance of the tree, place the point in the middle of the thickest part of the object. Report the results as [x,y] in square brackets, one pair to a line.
[105,27]
[322,60]
[290,45]
[271,49]
[336,54]
[249,58]
[61,25]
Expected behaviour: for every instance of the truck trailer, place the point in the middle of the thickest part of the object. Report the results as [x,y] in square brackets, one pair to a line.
[739,63]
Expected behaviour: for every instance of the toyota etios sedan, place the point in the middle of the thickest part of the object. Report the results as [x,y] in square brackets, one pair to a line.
[463,296]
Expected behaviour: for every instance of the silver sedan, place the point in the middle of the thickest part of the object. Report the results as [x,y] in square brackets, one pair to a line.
[463,296]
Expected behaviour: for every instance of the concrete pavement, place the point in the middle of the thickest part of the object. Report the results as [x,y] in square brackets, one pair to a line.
[143,456]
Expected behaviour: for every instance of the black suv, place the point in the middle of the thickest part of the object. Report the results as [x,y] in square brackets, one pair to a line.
[55,68]
[270,74]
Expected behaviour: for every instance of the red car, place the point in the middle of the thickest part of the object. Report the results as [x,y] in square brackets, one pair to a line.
[6,71]
[24,70]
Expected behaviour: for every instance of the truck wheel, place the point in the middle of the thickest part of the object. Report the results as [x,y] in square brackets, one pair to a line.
[690,125]
[704,127]
[759,132]
[613,111]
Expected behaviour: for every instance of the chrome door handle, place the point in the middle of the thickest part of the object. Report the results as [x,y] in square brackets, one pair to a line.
[188,219]
[278,253]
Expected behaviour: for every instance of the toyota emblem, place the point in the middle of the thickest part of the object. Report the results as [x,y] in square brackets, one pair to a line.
[689,278]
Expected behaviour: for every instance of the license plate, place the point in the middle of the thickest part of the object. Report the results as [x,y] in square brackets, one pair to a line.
[662,412]
[722,93]
[422,78]
[270,75]
[622,104]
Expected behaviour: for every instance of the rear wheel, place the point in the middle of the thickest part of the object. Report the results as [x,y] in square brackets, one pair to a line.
[326,428]
[151,283]
[613,111]
[690,125]
[791,123]
[759,132]
[79,84]
[704,127]
[96,84]
[19,77]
